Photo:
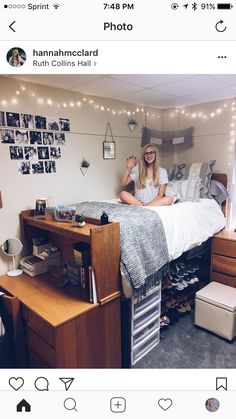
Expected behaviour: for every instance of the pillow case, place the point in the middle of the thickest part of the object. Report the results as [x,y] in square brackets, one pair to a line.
[191,171]
[218,191]
[186,190]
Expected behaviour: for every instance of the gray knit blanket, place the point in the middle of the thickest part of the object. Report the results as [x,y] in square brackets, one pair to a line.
[144,253]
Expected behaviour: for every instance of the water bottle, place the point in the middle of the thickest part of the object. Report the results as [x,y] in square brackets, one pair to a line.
[104,218]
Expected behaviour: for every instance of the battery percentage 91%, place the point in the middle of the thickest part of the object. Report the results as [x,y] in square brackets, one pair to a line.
[208,6]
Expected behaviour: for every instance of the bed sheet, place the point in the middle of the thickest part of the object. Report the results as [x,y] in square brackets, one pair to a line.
[188,224]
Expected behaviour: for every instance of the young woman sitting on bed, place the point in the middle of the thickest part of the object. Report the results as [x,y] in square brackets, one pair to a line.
[150,180]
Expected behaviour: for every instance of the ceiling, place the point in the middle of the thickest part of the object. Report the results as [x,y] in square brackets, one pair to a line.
[161,91]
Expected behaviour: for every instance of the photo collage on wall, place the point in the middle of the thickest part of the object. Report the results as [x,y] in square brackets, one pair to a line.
[34,140]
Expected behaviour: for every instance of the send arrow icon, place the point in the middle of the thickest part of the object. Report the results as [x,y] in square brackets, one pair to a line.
[67,382]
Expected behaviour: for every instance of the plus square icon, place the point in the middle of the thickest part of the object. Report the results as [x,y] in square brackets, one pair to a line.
[118,404]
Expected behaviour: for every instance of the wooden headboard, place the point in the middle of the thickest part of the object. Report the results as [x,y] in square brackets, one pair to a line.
[222,177]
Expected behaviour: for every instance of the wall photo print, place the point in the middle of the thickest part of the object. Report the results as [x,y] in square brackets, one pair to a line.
[2,119]
[43,153]
[32,135]
[13,119]
[7,136]
[16,153]
[48,138]
[40,122]
[53,123]
[27,120]
[64,124]
[37,168]
[24,168]
[50,166]
[21,137]
[30,153]
[35,137]
[59,139]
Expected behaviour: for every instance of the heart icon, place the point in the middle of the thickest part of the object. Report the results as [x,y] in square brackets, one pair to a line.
[16,383]
[165,404]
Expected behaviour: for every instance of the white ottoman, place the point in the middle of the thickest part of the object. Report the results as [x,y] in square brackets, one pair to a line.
[215,309]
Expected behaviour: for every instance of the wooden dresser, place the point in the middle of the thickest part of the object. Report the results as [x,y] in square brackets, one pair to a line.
[223,258]
[65,330]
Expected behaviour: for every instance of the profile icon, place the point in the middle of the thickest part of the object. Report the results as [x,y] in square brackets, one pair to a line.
[16,57]
[212,405]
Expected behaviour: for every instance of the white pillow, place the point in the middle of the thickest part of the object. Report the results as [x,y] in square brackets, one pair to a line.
[187,190]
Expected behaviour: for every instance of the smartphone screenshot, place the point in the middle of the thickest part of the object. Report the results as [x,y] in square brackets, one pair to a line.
[117,209]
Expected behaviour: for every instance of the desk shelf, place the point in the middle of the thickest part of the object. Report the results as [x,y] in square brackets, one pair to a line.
[64,329]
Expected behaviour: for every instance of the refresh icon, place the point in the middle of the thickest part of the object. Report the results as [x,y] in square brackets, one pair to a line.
[219,26]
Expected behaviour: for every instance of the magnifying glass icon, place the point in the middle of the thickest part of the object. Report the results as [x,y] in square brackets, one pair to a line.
[70,404]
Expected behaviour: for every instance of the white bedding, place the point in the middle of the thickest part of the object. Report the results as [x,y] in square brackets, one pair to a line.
[188,224]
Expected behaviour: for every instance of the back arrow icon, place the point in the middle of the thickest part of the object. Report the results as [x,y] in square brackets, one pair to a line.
[10,26]
[220,29]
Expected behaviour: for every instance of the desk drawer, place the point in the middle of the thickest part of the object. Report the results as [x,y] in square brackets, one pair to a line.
[41,327]
[224,279]
[224,265]
[224,247]
[44,351]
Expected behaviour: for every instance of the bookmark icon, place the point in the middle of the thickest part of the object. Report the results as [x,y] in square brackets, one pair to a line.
[67,382]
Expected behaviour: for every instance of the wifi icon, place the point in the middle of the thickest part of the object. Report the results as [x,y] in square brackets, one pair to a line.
[56,5]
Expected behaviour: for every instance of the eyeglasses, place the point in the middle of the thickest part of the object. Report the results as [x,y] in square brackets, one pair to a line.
[150,153]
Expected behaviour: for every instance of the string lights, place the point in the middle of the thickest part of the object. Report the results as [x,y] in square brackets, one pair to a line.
[79,103]
[83,100]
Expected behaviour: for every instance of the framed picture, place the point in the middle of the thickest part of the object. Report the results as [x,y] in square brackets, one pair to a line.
[40,207]
[109,150]
[65,213]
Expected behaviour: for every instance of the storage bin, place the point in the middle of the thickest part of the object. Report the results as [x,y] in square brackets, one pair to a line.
[215,309]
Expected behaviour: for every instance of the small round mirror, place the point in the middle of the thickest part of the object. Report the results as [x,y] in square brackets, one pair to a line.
[12,247]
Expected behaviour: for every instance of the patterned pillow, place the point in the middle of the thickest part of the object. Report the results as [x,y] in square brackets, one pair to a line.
[187,190]
[194,170]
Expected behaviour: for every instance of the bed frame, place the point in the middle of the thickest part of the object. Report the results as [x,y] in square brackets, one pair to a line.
[222,177]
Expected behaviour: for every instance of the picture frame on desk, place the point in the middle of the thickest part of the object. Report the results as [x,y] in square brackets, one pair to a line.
[40,208]
[65,213]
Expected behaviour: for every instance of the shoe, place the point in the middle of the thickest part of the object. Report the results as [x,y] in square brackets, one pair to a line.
[173,273]
[187,306]
[193,266]
[181,309]
[184,283]
[182,268]
[190,280]
[180,286]
[195,278]
[166,320]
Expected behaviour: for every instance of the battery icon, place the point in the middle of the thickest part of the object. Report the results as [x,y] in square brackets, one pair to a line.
[224,6]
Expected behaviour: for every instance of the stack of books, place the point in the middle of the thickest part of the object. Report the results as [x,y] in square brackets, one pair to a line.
[33,265]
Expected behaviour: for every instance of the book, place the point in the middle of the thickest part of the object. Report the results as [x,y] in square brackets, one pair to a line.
[94,288]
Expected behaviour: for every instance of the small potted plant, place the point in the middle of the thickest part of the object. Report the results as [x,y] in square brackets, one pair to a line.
[80,219]
[132,124]
[84,165]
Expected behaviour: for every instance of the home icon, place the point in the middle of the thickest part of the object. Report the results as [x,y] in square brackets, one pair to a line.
[23,406]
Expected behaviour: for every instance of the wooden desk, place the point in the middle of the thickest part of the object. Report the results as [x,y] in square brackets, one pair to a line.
[64,330]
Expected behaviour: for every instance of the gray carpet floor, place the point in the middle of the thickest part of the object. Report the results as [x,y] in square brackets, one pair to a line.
[184,345]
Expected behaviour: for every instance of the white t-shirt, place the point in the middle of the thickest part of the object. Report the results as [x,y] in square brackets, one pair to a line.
[150,192]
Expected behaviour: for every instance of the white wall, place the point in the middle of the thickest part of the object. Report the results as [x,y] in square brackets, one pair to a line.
[68,185]
[212,135]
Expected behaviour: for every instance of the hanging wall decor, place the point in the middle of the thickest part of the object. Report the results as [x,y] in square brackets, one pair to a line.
[109,145]
[167,139]
[132,124]
[84,165]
